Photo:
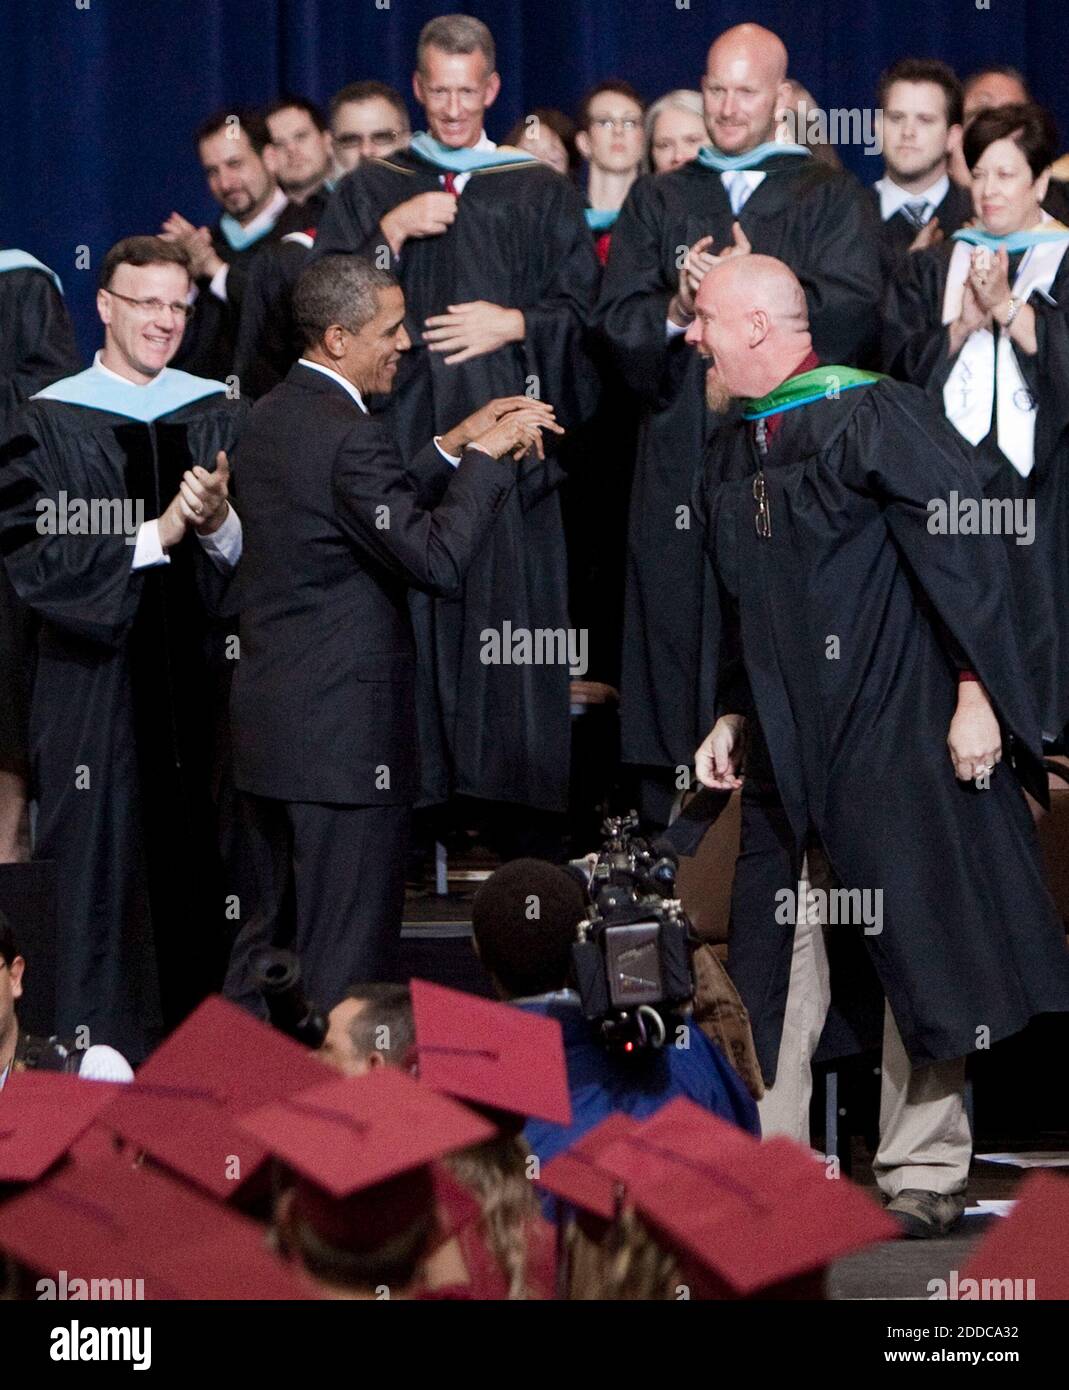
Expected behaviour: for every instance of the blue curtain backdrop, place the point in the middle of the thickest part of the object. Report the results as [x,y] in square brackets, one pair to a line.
[98,97]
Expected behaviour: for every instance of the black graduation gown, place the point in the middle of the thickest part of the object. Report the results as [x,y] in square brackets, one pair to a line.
[599,459]
[124,696]
[496,732]
[817,220]
[856,732]
[1057,200]
[37,347]
[268,341]
[302,217]
[916,349]
[210,340]
[37,343]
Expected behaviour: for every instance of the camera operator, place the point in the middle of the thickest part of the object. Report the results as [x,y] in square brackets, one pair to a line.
[20,1051]
[525,919]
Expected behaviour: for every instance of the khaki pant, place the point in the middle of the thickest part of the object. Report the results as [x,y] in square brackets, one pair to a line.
[924,1129]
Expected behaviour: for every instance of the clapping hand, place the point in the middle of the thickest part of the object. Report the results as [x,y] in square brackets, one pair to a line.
[989,278]
[200,503]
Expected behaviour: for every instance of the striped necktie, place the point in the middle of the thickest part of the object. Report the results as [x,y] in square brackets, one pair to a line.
[917,212]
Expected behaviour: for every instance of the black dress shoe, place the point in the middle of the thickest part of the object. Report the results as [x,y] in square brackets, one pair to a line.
[927,1215]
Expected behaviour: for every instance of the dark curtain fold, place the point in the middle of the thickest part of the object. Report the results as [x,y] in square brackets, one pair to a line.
[98,98]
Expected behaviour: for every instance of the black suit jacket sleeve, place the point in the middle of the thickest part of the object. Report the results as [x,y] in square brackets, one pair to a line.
[377,506]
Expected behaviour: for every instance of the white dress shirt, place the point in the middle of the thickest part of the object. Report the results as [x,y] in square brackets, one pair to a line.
[893,197]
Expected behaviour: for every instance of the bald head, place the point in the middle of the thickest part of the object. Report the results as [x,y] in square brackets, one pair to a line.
[752,324]
[745,84]
[764,51]
[756,282]
[1001,87]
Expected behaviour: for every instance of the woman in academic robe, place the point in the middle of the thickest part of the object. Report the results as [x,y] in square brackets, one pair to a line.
[982,322]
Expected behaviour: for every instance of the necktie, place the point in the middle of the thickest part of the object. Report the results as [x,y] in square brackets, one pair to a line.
[737,188]
[449,183]
[917,212]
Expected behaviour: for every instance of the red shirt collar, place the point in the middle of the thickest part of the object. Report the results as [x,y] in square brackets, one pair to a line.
[773,422]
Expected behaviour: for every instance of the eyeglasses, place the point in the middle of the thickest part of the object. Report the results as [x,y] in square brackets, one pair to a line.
[378,140]
[628,124]
[151,307]
[762,520]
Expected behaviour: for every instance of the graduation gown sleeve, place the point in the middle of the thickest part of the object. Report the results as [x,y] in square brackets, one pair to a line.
[39,346]
[1047,371]
[1041,570]
[267,341]
[633,309]
[838,263]
[82,584]
[352,220]
[557,321]
[909,458]
[725,689]
[915,341]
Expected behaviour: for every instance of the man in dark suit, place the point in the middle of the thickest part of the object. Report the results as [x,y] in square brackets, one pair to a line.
[918,204]
[337,530]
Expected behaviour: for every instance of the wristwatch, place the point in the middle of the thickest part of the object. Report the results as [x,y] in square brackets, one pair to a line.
[1016,305]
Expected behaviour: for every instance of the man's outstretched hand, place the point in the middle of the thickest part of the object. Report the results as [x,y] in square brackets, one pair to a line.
[480,427]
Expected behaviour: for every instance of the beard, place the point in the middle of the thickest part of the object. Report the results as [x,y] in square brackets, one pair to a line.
[717,396]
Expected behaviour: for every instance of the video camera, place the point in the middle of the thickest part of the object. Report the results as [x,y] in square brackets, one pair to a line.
[632,958]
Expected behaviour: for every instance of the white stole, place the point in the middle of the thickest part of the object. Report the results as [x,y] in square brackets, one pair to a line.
[985,360]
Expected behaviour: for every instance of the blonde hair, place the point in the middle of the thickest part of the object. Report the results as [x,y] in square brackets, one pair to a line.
[624,1263]
[496,1172]
[681,99]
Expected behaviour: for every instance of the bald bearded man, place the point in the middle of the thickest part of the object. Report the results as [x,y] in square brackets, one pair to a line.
[743,190]
[857,644]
